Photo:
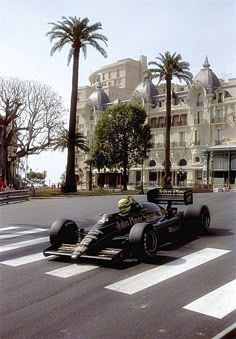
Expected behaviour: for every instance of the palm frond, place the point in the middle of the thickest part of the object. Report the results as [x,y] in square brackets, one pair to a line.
[78,34]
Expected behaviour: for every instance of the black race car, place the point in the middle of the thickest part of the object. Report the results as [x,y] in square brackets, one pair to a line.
[138,235]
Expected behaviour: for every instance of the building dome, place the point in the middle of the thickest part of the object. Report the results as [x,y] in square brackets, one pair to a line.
[147,91]
[207,77]
[98,98]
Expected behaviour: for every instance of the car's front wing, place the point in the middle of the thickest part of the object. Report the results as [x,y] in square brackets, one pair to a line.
[106,254]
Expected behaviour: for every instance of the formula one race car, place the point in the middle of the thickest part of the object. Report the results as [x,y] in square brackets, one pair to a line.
[140,234]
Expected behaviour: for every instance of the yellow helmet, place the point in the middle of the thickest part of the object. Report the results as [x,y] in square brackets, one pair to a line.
[124,206]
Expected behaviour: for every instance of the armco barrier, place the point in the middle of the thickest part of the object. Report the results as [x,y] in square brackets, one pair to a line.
[13,195]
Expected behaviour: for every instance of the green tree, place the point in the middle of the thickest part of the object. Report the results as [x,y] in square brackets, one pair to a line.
[166,68]
[78,34]
[62,139]
[36,178]
[121,136]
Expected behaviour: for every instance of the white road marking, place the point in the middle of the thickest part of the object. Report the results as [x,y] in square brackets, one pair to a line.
[156,275]
[17,234]
[9,236]
[8,228]
[24,260]
[70,271]
[21,244]
[34,230]
[217,303]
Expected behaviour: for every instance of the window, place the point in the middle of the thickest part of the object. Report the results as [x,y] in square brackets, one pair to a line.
[219,136]
[103,76]
[183,119]
[182,162]
[199,175]
[219,113]
[118,73]
[109,75]
[196,138]
[175,120]
[220,98]
[198,117]
[153,122]
[161,122]
[159,104]
[182,138]
[138,176]
[199,99]
[152,163]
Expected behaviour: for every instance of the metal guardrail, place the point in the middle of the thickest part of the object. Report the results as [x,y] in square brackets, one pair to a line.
[7,197]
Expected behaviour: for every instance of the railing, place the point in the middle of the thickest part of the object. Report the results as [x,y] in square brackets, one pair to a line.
[218,120]
[13,195]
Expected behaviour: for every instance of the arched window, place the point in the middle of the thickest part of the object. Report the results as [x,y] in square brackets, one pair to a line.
[199,99]
[182,162]
[152,163]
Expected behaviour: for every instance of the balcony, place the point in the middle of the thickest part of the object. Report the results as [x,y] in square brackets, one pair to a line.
[218,120]
[179,123]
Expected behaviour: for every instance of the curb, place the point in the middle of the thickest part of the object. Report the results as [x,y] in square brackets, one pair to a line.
[228,333]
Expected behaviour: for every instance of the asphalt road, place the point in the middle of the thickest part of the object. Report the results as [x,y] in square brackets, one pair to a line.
[190,291]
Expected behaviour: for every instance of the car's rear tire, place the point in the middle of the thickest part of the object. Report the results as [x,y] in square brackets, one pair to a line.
[143,241]
[63,231]
[197,218]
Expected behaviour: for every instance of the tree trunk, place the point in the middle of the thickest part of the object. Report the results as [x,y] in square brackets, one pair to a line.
[167,176]
[70,185]
[125,178]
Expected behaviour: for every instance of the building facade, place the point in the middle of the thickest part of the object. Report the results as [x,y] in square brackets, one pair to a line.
[203,122]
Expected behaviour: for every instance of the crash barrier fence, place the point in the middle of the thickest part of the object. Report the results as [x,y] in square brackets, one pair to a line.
[13,196]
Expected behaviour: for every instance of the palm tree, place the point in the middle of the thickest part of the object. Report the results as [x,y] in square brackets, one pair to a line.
[166,68]
[78,34]
[62,139]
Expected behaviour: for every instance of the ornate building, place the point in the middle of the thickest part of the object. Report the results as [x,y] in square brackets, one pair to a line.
[203,125]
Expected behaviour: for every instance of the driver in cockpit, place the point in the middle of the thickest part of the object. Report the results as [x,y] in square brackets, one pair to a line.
[128,205]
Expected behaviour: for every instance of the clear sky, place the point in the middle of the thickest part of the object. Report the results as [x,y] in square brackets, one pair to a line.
[193,28]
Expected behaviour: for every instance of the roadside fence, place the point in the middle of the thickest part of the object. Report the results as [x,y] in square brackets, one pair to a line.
[13,196]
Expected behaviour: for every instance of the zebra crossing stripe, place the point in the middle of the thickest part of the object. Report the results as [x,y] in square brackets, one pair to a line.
[217,303]
[18,234]
[34,230]
[8,228]
[21,244]
[72,270]
[24,260]
[159,274]
[9,236]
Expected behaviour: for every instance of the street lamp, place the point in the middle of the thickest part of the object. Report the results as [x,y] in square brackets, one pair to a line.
[143,155]
[89,163]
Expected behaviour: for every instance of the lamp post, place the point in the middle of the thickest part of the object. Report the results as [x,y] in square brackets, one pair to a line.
[89,163]
[143,155]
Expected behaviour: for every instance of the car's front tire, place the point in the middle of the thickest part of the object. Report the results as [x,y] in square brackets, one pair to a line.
[197,218]
[63,231]
[143,241]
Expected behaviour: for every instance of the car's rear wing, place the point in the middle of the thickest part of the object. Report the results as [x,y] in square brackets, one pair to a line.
[175,196]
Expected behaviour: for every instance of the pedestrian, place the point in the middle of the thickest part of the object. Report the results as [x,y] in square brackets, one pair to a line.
[2,184]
